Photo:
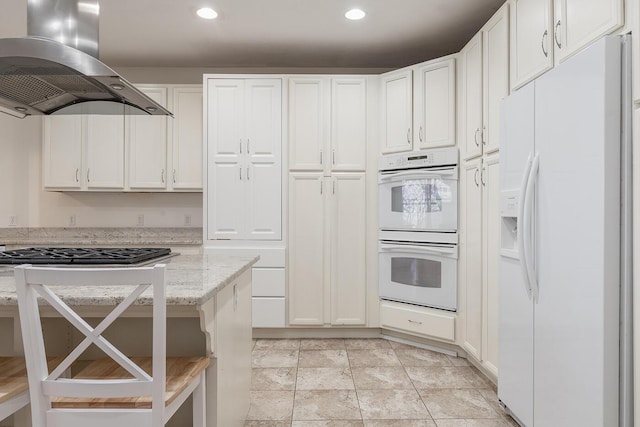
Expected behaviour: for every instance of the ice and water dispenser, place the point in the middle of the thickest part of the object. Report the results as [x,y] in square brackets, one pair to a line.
[509,206]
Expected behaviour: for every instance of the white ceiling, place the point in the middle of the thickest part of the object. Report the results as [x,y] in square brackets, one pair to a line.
[276,33]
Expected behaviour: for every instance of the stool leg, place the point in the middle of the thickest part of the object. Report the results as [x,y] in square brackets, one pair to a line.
[200,403]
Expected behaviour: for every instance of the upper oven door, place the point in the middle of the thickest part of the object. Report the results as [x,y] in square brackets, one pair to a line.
[419,199]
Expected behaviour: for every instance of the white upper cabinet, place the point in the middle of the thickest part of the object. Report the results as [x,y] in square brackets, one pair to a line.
[418,106]
[62,152]
[348,124]
[496,76]
[485,83]
[545,32]
[148,145]
[308,122]
[186,141]
[128,152]
[327,123]
[104,153]
[244,140]
[396,110]
[472,87]
[435,104]
[531,40]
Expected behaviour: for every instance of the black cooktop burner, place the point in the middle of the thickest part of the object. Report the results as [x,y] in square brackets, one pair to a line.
[86,256]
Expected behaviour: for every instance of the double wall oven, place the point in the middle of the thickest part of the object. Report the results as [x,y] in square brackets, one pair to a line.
[418,214]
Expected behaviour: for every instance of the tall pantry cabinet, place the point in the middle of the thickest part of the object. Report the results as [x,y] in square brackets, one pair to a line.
[327,202]
[244,193]
[484,79]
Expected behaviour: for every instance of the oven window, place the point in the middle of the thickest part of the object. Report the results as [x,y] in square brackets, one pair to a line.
[424,273]
[418,196]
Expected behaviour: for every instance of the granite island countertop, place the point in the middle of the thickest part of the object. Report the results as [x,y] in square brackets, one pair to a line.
[191,281]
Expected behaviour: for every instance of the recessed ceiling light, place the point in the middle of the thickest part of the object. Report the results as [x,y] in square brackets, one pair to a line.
[355,14]
[207,13]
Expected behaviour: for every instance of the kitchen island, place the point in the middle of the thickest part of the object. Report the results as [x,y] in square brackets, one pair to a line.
[208,310]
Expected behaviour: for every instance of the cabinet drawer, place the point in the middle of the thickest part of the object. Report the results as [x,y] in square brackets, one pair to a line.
[268,312]
[268,282]
[417,320]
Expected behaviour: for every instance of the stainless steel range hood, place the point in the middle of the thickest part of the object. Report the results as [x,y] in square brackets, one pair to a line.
[55,69]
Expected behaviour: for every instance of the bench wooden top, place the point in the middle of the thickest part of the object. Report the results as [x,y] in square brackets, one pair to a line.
[13,376]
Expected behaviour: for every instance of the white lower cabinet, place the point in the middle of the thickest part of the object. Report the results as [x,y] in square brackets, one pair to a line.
[268,298]
[233,353]
[480,234]
[327,222]
[417,320]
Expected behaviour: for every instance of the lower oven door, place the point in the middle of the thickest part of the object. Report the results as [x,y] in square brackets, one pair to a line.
[421,274]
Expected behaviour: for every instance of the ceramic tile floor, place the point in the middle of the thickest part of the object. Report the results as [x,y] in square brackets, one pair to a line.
[366,383]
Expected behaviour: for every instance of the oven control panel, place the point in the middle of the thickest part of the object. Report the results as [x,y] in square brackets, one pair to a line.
[420,159]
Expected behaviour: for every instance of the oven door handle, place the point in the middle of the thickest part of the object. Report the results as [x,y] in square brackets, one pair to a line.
[418,175]
[424,249]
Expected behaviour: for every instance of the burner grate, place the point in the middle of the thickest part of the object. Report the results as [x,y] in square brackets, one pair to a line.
[84,256]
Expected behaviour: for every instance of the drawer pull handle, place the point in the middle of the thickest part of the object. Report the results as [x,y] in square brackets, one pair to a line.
[413,321]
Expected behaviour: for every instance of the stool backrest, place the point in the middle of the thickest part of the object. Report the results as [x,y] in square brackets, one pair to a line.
[34,283]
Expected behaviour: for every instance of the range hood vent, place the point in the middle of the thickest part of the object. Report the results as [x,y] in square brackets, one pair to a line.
[55,69]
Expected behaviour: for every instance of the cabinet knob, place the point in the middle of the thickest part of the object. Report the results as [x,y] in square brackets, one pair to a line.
[544,44]
[248,146]
[484,183]
[409,136]
[88,174]
[240,174]
[475,137]
[240,144]
[77,175]
[482,135]
[555,35]
[174,176]
[162,176]
[420,134]
[320,156]
[333,156]
[475,177]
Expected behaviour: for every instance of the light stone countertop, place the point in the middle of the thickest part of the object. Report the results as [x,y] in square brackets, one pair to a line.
[116,236]
[191,281]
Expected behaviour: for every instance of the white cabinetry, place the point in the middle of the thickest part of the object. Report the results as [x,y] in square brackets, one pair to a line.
[244,159]
[327,283]
[485,82]
[548,31]
[148,145]
[418,106]
[128,152]
[327,123]
[97,140]
[186,138]
[233,353]
[434,106]
[396,111]
[480,234]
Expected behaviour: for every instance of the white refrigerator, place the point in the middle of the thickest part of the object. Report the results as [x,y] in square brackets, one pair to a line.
[560,163]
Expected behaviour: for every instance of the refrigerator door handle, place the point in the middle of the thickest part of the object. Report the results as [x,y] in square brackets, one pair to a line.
[521,229]
[528,255]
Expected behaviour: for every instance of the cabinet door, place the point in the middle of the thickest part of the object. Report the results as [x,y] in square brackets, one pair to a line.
[306,248]
[264,159]
[472,246]
[396,111]
[472,60]
[491,262]
[186,146]
[308,123]
[348,124]
[104,143]
[531,40]
[62,151]
[496,76]
[580,22]
[348,249]
[435,104]
[148,145]
[226,200]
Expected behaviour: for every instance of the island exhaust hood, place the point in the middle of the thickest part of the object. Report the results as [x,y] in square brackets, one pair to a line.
[55,68]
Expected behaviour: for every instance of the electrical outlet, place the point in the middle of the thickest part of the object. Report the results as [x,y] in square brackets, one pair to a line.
[13,220]
[72,220]
[140,222]
[187,220]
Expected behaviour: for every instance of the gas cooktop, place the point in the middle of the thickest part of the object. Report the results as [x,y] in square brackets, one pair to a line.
[83,256]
